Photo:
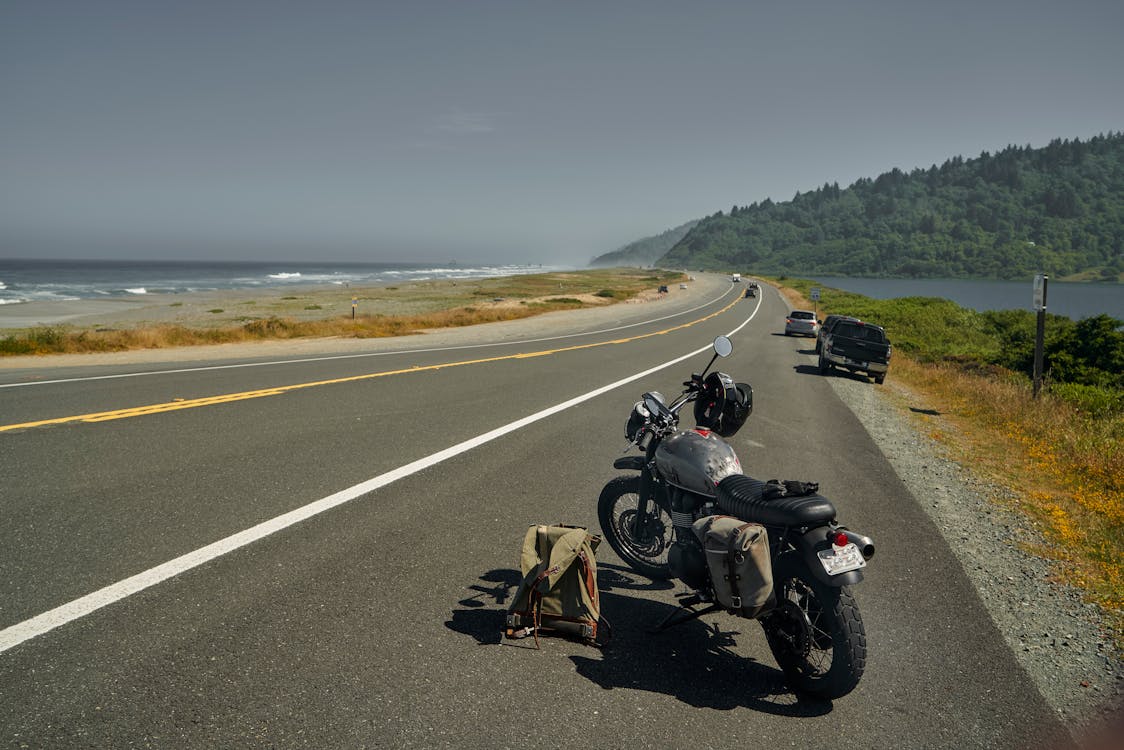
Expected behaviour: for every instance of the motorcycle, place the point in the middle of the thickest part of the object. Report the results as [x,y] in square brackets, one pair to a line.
[650,519]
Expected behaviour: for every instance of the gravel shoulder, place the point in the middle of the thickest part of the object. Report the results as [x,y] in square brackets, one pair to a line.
[1059,639]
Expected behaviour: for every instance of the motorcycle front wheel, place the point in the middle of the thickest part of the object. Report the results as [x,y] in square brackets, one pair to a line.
[642,541]
[816,632]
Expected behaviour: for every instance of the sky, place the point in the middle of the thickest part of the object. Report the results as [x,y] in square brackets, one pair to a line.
[502,132]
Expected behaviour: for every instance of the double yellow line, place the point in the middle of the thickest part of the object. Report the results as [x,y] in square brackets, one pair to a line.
[177,404]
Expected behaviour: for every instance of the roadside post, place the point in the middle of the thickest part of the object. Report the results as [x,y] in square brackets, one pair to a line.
[354,304]
[816,301]
[1040,281]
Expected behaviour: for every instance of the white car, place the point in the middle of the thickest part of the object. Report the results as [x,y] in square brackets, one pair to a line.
[801,323]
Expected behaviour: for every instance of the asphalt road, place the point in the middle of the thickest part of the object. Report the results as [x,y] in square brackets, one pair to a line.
[376,622]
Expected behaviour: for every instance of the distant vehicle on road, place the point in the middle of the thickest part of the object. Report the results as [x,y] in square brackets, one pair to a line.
[735,277]
[663,289]
[682,286]
[801,323]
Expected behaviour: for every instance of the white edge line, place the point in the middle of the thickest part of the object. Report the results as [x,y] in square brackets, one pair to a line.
[14,635]
[302,360]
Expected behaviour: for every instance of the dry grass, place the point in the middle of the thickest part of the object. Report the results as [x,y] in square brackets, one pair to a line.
[1066,469]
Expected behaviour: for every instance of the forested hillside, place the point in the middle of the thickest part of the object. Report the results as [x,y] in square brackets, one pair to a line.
[1021,211]
[643,252]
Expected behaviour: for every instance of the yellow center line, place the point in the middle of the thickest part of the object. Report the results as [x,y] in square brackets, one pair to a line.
[140,411]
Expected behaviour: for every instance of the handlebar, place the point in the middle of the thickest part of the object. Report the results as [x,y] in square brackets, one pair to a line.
[665,417]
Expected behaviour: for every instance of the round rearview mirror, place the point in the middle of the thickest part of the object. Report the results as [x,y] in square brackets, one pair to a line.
[723,347]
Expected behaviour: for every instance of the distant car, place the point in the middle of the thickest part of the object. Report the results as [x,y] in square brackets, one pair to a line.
[826,327]
[801,323]
[751,291]
[662,289]
[682,286]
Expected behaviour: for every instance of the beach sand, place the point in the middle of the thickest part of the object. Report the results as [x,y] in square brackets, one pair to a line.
[193,309]
[236,307]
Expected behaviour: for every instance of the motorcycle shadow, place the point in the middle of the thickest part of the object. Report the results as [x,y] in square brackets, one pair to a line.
[695,662]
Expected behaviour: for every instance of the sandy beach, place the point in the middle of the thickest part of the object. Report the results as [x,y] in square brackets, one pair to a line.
[194,309]
[236,307]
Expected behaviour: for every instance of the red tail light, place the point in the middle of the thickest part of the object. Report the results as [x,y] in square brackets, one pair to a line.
[839,539]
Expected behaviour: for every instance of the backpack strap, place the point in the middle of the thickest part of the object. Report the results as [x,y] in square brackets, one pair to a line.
[589,578]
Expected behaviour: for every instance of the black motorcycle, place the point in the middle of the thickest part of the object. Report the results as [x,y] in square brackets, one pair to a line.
[651,519]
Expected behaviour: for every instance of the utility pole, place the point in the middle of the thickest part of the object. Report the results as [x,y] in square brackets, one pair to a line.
[1040,281]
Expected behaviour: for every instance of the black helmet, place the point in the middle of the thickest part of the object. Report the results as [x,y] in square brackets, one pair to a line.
[723,405]
[737,409]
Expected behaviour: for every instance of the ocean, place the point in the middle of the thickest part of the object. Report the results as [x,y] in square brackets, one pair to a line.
[57,280]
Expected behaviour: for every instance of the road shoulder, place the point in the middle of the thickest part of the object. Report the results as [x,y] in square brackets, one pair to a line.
[1059,639]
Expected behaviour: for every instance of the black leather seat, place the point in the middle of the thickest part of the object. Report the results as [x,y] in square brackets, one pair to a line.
[744,497]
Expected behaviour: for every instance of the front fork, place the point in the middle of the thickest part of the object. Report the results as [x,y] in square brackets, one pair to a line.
[644,521]
[649,486]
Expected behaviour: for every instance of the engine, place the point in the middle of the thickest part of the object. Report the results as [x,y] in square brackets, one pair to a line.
[686,557]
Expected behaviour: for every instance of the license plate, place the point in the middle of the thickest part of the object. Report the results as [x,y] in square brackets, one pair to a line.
[857,362]
[841,559]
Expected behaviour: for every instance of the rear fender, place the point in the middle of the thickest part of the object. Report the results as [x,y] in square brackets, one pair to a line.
[813,541]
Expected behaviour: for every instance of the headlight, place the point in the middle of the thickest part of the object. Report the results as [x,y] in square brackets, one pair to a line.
[637,420]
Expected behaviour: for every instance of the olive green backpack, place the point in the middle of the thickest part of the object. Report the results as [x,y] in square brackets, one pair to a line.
[559,588]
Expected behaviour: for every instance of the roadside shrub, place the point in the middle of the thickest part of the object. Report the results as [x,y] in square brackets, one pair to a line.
[16,345]
[270,327]
[606,293]
[1095,401]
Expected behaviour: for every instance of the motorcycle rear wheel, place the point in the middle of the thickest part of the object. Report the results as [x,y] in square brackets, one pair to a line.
[617,511]
[816,633]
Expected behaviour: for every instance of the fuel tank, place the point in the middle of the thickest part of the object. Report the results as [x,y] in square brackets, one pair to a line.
[696,461]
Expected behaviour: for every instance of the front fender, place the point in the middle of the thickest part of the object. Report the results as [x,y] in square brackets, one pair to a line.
[634,463]
[813,541]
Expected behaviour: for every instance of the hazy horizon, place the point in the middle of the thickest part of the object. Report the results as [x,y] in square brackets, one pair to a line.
[501,132]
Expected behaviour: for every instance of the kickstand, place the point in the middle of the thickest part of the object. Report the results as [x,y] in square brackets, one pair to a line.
[691,614]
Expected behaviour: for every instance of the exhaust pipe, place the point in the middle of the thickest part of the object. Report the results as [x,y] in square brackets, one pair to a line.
[864,543]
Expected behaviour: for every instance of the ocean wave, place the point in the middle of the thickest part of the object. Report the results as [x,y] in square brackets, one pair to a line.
[11,301]
[3,285]
[284,275]
[137,290]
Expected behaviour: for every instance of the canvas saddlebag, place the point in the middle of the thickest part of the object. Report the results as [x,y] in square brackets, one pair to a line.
[559,588]
[737,555]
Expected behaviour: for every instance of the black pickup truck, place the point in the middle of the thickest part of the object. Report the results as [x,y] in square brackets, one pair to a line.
[856,346]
